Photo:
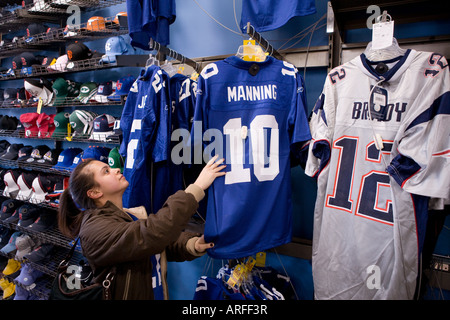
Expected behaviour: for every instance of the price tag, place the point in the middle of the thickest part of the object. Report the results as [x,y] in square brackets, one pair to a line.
[382,35]
[39,107]
[69,132]
[261,259]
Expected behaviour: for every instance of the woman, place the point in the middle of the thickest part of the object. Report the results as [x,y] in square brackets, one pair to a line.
[112,236]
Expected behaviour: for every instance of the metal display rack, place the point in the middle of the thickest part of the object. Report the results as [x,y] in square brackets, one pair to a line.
[54,12]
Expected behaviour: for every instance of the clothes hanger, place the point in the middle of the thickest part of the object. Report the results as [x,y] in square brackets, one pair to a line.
[249,51]
[388,53]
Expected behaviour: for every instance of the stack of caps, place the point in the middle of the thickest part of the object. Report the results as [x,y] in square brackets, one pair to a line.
[82,122]
[39,89]
[123,86]
[87,92]
[103,127]
[64,91]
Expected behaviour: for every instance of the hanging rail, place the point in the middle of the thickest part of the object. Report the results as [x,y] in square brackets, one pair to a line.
[267,47]
[154,45]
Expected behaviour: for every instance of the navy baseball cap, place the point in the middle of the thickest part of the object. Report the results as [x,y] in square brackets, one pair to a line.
[40,253]
[8,208]
[65,158]
[45,221]
[103,127]
[28,214]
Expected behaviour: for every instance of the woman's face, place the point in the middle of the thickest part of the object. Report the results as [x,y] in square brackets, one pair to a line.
[110,181]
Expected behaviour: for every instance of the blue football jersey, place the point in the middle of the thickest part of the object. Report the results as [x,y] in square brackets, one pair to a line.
[145,124]
[150,19]
[252,121]
[266,15]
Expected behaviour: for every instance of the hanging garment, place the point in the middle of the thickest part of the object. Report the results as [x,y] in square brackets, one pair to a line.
[251,114]
[266,15]
[371,206]
[150,19]
[145,125]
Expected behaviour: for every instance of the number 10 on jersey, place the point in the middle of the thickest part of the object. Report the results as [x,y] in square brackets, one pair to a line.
[264,168]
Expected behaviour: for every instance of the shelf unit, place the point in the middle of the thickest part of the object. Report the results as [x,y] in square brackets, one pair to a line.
[56,40]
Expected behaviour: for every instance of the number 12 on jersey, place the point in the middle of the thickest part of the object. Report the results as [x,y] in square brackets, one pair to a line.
[373,186]
[264,169]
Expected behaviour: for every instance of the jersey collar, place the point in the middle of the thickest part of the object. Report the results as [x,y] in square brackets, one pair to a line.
[403,62]
[242,64]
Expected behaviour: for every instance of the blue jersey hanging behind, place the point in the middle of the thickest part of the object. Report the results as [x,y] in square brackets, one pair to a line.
[145,124]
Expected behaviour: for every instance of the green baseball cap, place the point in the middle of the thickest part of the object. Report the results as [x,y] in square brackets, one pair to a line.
[60,120]
[87,91]
[82,121]
[115,160]
[61,90]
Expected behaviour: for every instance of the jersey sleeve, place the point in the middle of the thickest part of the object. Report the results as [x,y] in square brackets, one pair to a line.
[321,124]
[298,122]
[154,138]
[421,165]
[126,118]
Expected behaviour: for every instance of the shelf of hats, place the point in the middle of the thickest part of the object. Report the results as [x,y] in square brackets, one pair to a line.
[62,91]
[29,11]
[40,36]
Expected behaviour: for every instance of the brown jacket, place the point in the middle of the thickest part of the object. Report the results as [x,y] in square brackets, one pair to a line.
[109,237]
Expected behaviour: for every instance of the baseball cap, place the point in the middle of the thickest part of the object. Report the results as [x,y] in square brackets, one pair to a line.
[4,144]
[8,207]
[60,90]
[7,123]
[65,158]
[28,61]
[103,91]
[37,153]
[60,64]
[115,160]
[81,122]
[28,214]
[24,153]
[50,157]
[11,246]
[11,187]
[123,86]
[96,23]
[35,29]
[40,253]
[28,275]
[12,152]
[45,221]
[25,182]
[45,124]
[42,185]
[28,121]
[60,121]
[114,46]
[9,95]
[87,91]
[103,127]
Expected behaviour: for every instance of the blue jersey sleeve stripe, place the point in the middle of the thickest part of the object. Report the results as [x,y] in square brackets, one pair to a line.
[402,168]
[440,106]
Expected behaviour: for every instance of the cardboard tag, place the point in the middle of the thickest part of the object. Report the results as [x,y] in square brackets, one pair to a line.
[39,107]
[382,35]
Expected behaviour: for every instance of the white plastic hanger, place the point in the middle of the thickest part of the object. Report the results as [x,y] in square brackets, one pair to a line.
[391,52]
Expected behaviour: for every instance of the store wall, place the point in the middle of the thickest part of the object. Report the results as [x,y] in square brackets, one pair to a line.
[195,34]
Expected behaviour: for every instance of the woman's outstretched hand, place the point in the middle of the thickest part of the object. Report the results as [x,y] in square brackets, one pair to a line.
[201,246]
[210,172]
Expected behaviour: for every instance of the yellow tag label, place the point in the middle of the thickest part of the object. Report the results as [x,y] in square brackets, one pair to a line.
[39,107]
[236,276]
[69,132]
[250,264]
[194,76]
[261,259]
[180,69]
[249,50]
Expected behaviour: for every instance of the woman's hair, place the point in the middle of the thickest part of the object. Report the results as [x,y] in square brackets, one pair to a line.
[74,200]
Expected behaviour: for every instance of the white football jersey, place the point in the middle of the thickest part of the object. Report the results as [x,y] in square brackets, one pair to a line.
[371,207]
